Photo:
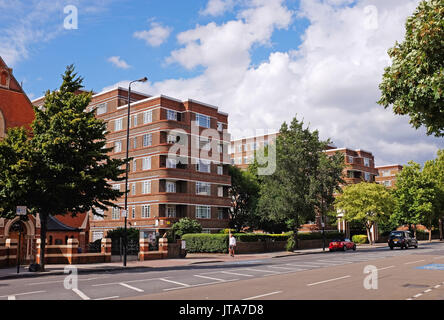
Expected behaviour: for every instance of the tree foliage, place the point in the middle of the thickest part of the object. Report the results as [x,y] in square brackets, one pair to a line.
[367,203]
[414,83]
[63,168]
[185,226]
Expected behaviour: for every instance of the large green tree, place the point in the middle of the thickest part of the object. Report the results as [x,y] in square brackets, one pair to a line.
[415,198]
[244,193]
[68,169]
[434,170]
[414,83]
[288,194]
[367,203]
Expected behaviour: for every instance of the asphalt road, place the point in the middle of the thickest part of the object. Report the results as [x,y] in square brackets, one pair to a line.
[338,275]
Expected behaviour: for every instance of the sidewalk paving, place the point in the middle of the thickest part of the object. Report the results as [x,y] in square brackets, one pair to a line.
[191,259]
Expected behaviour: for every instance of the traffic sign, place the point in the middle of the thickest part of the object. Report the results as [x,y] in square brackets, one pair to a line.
[21,211]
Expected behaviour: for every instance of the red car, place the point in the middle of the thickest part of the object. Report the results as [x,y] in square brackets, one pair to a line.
[343,244]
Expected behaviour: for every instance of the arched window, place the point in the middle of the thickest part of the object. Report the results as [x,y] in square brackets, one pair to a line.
[2,125]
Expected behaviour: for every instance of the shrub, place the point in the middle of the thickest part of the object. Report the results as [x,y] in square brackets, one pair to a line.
[227,231]
[115,234]
[291,244]
[206,243]
[185,226]
[360,238]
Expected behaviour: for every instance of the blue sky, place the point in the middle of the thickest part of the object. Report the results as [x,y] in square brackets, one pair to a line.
[262,61]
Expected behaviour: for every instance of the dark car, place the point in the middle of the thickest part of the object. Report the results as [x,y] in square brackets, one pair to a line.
[342,244]
[402,239]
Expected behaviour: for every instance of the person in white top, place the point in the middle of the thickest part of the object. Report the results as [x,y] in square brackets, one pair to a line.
[232,245]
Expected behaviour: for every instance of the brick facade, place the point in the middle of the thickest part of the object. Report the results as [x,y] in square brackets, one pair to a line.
[387,174]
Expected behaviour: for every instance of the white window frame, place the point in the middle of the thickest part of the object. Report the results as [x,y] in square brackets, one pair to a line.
[133,212]
[148,140]
[135,120]
[220,126]
[146,163]
[170,187]
[367,162]
[133,189]
[134,165]
[170,211]
[115,214]
[220,170]
[203,212]
[172,115]
[117,146]
[102,108]
[203,163]
[118,124]
[146,187]
[171,163]
[220,191]
[206,120]
[146,211]
[171,138]
[203,188]
[148,116]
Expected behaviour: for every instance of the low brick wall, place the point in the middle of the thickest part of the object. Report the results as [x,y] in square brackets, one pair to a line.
[166,250]
[69,254]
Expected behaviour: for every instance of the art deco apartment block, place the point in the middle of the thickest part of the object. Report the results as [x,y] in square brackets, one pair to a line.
[242,151]
[387,174]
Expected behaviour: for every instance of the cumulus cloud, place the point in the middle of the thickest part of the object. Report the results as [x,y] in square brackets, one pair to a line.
[330,80]
[155,36]
[118,62]
[217,7]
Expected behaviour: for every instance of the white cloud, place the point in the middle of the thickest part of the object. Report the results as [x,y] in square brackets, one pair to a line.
[330,80]
[118,62]
[217,7]
[155,36]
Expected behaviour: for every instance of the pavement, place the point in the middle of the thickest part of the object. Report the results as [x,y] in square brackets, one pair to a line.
[191,259]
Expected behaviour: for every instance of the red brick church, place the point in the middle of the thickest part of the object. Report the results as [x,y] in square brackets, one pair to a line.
[15,111]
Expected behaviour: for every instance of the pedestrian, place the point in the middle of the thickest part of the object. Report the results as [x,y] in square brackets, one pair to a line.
[232,244]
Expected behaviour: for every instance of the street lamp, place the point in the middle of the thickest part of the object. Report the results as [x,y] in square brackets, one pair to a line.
[125,243]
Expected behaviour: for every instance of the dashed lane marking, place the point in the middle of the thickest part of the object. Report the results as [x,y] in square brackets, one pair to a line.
[211,278]
[108,298]
[412,262]
[329,280]
[237,274]
[175,282]
[81,294]
[21,294]
[130,287]
[263,295]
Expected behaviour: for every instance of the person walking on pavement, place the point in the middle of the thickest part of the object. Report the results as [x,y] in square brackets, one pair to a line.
[232,245]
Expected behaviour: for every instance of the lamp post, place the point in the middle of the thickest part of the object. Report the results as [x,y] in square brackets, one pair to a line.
[125,243]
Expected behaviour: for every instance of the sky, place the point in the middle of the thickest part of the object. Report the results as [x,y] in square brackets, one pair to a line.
[261,61]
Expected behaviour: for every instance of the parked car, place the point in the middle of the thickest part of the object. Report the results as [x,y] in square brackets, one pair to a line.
[402,239]
[342,244]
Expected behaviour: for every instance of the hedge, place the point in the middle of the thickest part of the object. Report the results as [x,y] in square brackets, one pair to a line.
[205,242]
[318,235]
[360,238]
[254,237]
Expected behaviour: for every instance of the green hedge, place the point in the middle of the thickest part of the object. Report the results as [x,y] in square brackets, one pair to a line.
[206,243]
[360,238]
[254,237]
[318,235]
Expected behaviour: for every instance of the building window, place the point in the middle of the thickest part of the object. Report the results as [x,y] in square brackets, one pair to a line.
[101,108]
[146,187]
[133,212]
[220,126]
[171,211]
[203,188]
[146,211]
[203,212]
[118,124]
[386,173]
[220,148]
[134,165]
[133,189]
[220,213]
[147,117]
[170,187]
[118,146]
[147,140]
[202,120]
[115,214]
[387,183]
[220,170]
[239,148]
[135,120]
[350,159]
[203,166]
[245,160]
[171,138]
[97,235]
[96,217]
[220,191]
[135,143]
[366,162]
[146,163]
[204,143]
[171,115]
[367,176]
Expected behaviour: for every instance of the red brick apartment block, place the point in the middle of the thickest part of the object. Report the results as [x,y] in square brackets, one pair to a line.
[387,174]
[163,189]
[242,151]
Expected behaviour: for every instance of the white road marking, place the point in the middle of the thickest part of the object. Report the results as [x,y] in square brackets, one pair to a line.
[334,261]
[21,294]
[81,294]
[130,287]
[198,285]
[329,280]
[428,290]
[385,268]
[412,262]
[260,270]
[236,274]
[417,295]
[11,297]
[129,281]
[302,265]
[295,269]
[175,282]
[437,286]
[61,281]
[263,295]
[326,264]
[107,298]
[211,278]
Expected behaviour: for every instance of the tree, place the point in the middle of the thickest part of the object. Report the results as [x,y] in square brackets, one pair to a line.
[68,169]
[415,198]
[414,83]
[185,226]
[434,169]
[244,192]
[326,183]
[367,203]
[288,194]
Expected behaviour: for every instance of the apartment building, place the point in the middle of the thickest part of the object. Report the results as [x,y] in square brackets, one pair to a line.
[242,151]
[165,186]
[387,174]
[360,165]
